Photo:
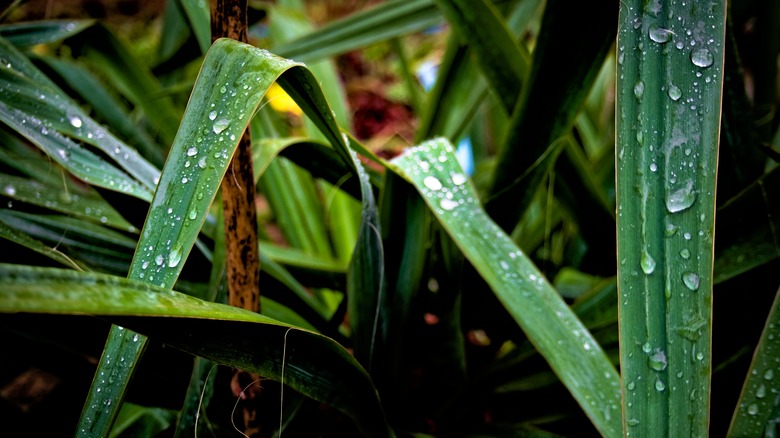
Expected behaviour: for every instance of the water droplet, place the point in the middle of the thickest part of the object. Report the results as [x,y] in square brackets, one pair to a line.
[174,257]
[632,422]
[191,152]
[184,180]
[631,386]
[653,167]
[647,262]
[639,89]
[657,360]
[681,198]
[10,190]
[212,115]
[202,163]
[674,92]
[702,58]
[700,356]
[691,280]
[659,34]
[671,230]
[135,338]
[448,204]
[685,253]
[659,385]
[458,178]
[646,347]
[220,125]
[769,374]
[75,121]
[432,183]
[159,260]
[223,89]
[193,214]
[752,409]
[761,391]
[145,264]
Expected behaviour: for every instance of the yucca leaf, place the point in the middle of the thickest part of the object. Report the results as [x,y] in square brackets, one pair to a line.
[65,198]
[389,19]
[233,79]
[480,24]
[14,235]
[312,364]
[111,110]
[42,32]
[555,89]
[570,350]
[756,411]
[670,64]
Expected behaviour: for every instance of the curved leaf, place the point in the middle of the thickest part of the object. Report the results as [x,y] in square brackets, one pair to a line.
[312,364]
[549,323]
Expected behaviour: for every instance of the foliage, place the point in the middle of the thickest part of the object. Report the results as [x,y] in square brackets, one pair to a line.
[560,236]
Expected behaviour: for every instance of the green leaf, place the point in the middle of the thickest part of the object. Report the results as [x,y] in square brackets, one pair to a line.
[503,62]
[66,198]
[24,239]
[232,82]
[548,322]
[42,32]
[565,65]
[670,63]
[312,364]
[387,20]
[757,406]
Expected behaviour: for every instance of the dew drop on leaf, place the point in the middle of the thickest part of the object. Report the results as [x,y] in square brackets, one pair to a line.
[191,152]
[75,121]
[448,204]
[691,280]
[647,262]
[674,92]
[432,183]
[212,115]
[681,198]
[659,34]
[702,58]
[220,125]
[174,257]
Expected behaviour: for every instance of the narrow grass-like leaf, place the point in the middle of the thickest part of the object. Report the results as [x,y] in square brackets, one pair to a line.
[84,203]
[503,62]
[670,59]
[135,420]
[757,406]
[93,245]
[200,21]
[314,365]
[127,74]
[111,111]
[747,241]
[548,322]
[390,19]
[42,32]
[13,235]
[555,89]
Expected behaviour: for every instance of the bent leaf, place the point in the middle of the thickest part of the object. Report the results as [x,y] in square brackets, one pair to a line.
[313,364]
[549,323]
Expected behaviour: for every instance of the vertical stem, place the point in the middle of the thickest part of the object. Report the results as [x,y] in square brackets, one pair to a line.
[229,20]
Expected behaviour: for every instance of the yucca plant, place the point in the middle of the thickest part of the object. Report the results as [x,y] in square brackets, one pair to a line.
[601,262]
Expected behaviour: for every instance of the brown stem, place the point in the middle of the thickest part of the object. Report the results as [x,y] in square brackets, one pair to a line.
[229,20]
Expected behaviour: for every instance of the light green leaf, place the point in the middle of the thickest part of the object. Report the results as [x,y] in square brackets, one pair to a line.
[575,357]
